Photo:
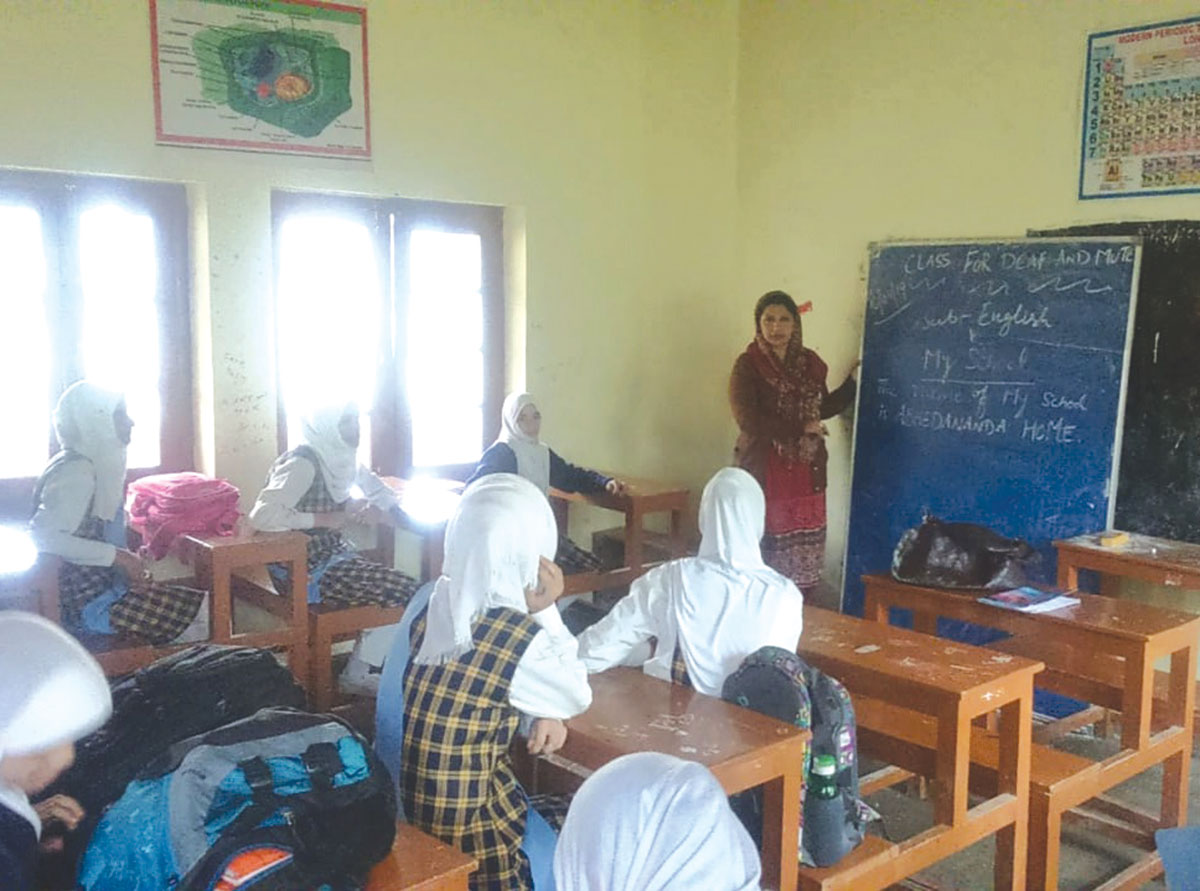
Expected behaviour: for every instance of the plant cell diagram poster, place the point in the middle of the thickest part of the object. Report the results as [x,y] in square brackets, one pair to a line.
[261,75]
[1141,111]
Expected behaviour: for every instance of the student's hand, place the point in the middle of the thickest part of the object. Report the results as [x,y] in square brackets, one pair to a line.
[616,487]
[132,565]
[549,587]
[365,513]
[815,428]
[547,735]
[64,810]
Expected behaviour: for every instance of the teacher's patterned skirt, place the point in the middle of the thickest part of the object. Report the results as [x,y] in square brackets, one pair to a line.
[794,544]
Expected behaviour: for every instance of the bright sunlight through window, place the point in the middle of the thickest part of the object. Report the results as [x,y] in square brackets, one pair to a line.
[24,343]
[330,313]
[445,347]
[119,274]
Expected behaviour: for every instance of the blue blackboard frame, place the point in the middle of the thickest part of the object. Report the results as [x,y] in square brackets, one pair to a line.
[962,335]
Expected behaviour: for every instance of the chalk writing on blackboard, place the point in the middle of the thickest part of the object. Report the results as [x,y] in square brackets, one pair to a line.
[991,383]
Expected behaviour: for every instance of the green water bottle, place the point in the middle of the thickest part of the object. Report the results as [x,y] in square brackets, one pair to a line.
[824,813]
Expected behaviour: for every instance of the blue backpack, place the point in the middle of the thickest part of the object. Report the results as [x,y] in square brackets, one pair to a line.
[305,787]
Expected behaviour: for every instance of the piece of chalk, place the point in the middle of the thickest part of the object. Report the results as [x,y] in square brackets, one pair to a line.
[1113,539]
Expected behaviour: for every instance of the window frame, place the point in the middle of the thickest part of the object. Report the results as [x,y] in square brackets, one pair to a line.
[391,220]
[59,198]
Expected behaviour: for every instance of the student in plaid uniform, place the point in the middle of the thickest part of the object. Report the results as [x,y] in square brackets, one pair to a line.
[489,647]
[518,450]
[707,612]
[654,822]
[308,488]
[79,515]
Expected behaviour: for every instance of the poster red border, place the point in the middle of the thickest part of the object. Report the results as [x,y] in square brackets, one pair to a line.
[163,138]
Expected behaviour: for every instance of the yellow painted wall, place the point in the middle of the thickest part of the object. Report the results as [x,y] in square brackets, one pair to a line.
[607,128]
[666,164]
[862,121]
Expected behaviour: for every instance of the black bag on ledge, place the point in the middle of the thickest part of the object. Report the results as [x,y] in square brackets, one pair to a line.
[960,555]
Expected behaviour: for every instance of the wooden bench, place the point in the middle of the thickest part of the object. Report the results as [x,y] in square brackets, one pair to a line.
[642,497]
[946,688]
[420,862]
[1103,650]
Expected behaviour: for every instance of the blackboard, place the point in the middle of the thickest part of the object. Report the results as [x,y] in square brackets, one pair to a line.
[1158,488]
[991,388]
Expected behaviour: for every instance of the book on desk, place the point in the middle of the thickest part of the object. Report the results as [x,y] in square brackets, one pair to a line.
[1028,599]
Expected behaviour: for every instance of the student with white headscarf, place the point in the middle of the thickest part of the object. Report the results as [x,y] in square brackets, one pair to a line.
[652,822]
[79,516]
[309,488]
[52,693]
[519,450]
[707,612]
[488,648]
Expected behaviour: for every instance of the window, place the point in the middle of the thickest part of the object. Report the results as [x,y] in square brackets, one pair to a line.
[93,275]
[397,304]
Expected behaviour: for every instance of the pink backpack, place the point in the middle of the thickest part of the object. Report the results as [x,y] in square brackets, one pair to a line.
[166,505]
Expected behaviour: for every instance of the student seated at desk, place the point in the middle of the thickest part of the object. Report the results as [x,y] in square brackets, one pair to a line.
[519,450]
[653,822]
[53,693]
[708,612]
[489,647]
[308,489]
[80,516]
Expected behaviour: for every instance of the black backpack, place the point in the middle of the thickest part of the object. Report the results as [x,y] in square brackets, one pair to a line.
[179,696]
[778,683]
[304,789]
[960,555]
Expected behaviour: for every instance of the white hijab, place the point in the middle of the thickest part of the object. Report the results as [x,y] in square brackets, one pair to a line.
[83,423]
[493,542]
[652,822]
[726,602]
[52,692]
[338,459]
[533,456]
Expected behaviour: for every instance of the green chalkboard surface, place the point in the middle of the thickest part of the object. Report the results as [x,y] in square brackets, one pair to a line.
[1158,488]
[991,391]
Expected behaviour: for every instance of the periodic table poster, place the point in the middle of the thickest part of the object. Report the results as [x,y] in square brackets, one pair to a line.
[1141,112]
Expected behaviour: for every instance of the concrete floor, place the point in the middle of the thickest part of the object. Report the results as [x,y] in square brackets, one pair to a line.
[1087,858]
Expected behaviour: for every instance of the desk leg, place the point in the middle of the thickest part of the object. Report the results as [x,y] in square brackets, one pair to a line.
[781,828]
[1068,572]
[633,538]
[1012,842]
[1181,696]
[1136,700]
[216,577]
[676,543]
[298,654]
[1045,828]
[953,761]
[875,608]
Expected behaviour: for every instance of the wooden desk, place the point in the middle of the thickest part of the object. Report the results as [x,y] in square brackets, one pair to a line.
[952,684]
[1160,561]
[426,506]
[1102,650]
[632,712]
[420,862]
[215,561]
[642,497]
